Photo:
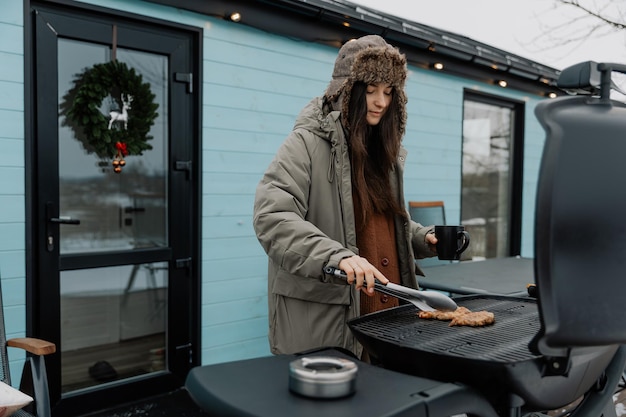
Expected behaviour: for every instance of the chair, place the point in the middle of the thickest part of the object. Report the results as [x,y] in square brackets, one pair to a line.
[34,379]
[428,213]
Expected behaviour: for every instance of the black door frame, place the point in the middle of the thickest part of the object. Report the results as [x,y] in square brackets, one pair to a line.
[183,46]
[516,182]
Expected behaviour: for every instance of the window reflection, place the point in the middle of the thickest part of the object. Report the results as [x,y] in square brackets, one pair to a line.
[114,322]
[485,208]
[116,211]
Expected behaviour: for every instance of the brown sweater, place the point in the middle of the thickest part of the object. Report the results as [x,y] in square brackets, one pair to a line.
[376,242]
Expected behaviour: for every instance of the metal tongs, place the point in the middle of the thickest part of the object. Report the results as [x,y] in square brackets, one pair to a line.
[424,300]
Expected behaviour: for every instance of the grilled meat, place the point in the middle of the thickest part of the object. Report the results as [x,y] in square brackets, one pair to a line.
[462,316]
[442,315]
[474,319]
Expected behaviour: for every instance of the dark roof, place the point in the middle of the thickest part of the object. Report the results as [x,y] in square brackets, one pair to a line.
[335,21]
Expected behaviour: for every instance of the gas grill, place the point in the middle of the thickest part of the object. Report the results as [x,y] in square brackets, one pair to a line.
[540,354]
[479,356]
[546,355]
[505,341]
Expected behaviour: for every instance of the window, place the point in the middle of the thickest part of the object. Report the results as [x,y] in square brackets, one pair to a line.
[493,135]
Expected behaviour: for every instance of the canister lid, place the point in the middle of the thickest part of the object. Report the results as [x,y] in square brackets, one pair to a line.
[322,376]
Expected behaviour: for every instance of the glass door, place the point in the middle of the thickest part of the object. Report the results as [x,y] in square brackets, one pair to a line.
[116,202]
[113,317]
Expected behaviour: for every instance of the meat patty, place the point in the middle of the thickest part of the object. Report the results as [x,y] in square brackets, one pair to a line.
[474,319]
[462,316]
[442,315]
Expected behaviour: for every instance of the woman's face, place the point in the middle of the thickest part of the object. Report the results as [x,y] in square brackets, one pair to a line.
[378,97]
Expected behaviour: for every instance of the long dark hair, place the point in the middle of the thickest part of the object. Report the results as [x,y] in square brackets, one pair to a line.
[373,153]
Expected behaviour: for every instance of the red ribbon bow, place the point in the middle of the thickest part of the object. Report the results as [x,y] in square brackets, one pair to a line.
[121,148]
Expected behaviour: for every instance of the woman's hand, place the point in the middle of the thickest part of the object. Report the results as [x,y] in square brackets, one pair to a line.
[431,240]
[361,272]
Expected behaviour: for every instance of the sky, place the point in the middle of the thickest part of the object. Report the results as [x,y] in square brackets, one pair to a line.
[533,29]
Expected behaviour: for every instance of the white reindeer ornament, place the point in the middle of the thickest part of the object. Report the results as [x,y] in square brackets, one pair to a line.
[116,116]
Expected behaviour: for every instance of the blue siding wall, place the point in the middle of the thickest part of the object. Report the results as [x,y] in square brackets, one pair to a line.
[434,141]
[12,204]
[255,83]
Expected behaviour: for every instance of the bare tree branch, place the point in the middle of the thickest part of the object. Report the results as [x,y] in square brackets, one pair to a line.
[582,21]
[602,12]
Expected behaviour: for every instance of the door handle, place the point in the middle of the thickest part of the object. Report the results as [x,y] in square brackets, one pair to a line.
[134,209]
[50,232]
[64,220]
[57,220]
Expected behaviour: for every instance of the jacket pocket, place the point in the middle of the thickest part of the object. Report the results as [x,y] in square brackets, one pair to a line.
[301,325]
[310,289]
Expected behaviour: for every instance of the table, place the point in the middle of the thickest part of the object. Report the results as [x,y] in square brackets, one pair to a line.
[260,387]
[508,276]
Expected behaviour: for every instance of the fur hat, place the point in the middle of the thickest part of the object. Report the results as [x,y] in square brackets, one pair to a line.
[370,60]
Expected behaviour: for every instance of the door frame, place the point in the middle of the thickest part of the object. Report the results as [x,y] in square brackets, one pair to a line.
[184,190]
[516,161]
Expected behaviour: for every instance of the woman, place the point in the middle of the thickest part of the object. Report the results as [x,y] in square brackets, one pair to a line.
[333,197]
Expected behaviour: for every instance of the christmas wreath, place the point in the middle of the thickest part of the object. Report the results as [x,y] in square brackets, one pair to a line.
[110,128]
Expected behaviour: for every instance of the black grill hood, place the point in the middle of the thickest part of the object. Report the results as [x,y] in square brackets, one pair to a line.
[580,231]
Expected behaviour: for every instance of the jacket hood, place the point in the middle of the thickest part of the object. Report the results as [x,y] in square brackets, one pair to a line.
[315,119]
[370,60]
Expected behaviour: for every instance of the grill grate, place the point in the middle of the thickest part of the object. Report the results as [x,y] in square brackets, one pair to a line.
[517,322]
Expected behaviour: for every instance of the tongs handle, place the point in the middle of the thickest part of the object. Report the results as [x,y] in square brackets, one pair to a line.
[424,300]
[384,289]
[378,286]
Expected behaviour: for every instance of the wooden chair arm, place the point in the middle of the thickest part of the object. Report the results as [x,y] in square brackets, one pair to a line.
[33,345]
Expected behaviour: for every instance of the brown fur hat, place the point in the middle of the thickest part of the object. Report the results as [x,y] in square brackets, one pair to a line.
[370,60]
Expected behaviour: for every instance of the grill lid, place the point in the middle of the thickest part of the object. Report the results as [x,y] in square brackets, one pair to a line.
[580,234]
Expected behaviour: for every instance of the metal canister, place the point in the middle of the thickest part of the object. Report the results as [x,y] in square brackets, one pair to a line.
[322,376]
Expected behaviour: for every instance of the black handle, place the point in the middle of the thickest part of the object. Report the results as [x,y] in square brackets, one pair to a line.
[134,209]
[51,232]
[605,78]
[64,220]
[342,274]
[335,271]
[378,286]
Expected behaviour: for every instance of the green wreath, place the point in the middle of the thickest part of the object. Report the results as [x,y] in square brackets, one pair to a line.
[108,135]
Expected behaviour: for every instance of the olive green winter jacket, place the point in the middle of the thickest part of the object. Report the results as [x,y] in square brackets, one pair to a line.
[304,219]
